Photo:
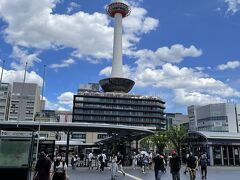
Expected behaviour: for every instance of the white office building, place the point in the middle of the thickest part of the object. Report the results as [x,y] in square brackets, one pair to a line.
[25,102]
[5,92]
[222,117]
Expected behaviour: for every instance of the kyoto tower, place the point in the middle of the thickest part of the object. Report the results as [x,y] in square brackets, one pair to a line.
[116,83]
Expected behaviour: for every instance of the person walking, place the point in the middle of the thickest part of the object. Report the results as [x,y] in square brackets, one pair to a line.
[74,161]
[192,166]
[158,166]
[120,162]
[90,158]
[114,167]
[102,159]
[43,167]
[134,160]
[203,164]
[60,169]
[175,166]
[144,163]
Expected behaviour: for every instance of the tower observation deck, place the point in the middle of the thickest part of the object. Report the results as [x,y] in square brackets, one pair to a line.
[116,83]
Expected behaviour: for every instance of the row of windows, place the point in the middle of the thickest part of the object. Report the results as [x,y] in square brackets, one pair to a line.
[115,119]
[2,107]
[214,118]
[88,111]
[121,101]
[78,136]
[215,129]
[117,106]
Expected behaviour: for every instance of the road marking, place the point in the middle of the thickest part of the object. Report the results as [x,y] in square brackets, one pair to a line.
[131,176]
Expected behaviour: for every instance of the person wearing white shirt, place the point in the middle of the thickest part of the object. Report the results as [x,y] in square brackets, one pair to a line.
[102,159]
[90,157]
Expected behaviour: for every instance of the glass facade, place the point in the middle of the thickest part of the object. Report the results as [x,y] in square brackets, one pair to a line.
[119,108]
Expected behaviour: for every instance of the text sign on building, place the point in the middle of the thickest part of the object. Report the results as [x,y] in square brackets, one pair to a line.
[15,133]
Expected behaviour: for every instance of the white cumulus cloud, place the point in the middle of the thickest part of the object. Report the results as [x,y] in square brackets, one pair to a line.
[66,98]
[229,65]
[65,63]
[233,6]
[10,76]
[184,97]
[32,24]
[173,77]
[174,54]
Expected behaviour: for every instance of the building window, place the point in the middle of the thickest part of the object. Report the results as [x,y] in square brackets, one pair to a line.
[102,136]
[78,136]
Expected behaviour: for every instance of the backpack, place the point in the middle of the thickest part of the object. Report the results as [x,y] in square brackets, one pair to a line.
[203,162]
[100,158]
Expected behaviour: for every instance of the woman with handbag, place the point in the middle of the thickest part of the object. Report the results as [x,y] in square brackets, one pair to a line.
[60,169]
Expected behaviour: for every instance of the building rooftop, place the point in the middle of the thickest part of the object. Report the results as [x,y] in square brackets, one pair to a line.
[119,95]
[217,135]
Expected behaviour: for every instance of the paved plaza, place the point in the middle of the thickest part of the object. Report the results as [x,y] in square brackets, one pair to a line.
[214,173]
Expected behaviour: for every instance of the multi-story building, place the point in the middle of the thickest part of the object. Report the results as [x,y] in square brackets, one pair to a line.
[25,102]
[192,117]
[5,93]
[222,117]
[176,119]
[119,108]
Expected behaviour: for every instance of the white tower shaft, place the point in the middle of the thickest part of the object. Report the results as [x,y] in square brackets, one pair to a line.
[117,69]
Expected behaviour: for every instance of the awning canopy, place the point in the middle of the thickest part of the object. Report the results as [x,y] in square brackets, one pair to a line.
[128,132]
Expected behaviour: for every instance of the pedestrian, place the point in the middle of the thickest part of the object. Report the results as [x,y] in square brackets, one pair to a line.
[60,169]
[186,169]
[114,167]
[158,166]
[81,157]
[175,166]
[150,157]
[73,161]
[120,162]
[144,162]
[192,166]
[43,167]
[134,160]
[102,159]
[203,164]
[90,158]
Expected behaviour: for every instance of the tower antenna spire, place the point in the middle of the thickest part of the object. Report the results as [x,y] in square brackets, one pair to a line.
[116,83]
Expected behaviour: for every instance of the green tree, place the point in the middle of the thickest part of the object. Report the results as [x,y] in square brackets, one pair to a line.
[176,135]
[145,143]
[160,140]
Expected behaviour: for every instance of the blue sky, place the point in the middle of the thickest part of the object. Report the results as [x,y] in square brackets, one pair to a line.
[186,52]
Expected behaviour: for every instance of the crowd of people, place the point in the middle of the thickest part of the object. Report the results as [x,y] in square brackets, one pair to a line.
[57,170]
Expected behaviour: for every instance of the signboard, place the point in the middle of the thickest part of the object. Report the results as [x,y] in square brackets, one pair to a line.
[15,134]
[14,153]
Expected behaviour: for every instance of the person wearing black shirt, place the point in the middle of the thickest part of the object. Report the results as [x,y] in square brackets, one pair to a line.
[158,166]
[43,167]
[120,162]
[175,165]
[203,164]
[192,166]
